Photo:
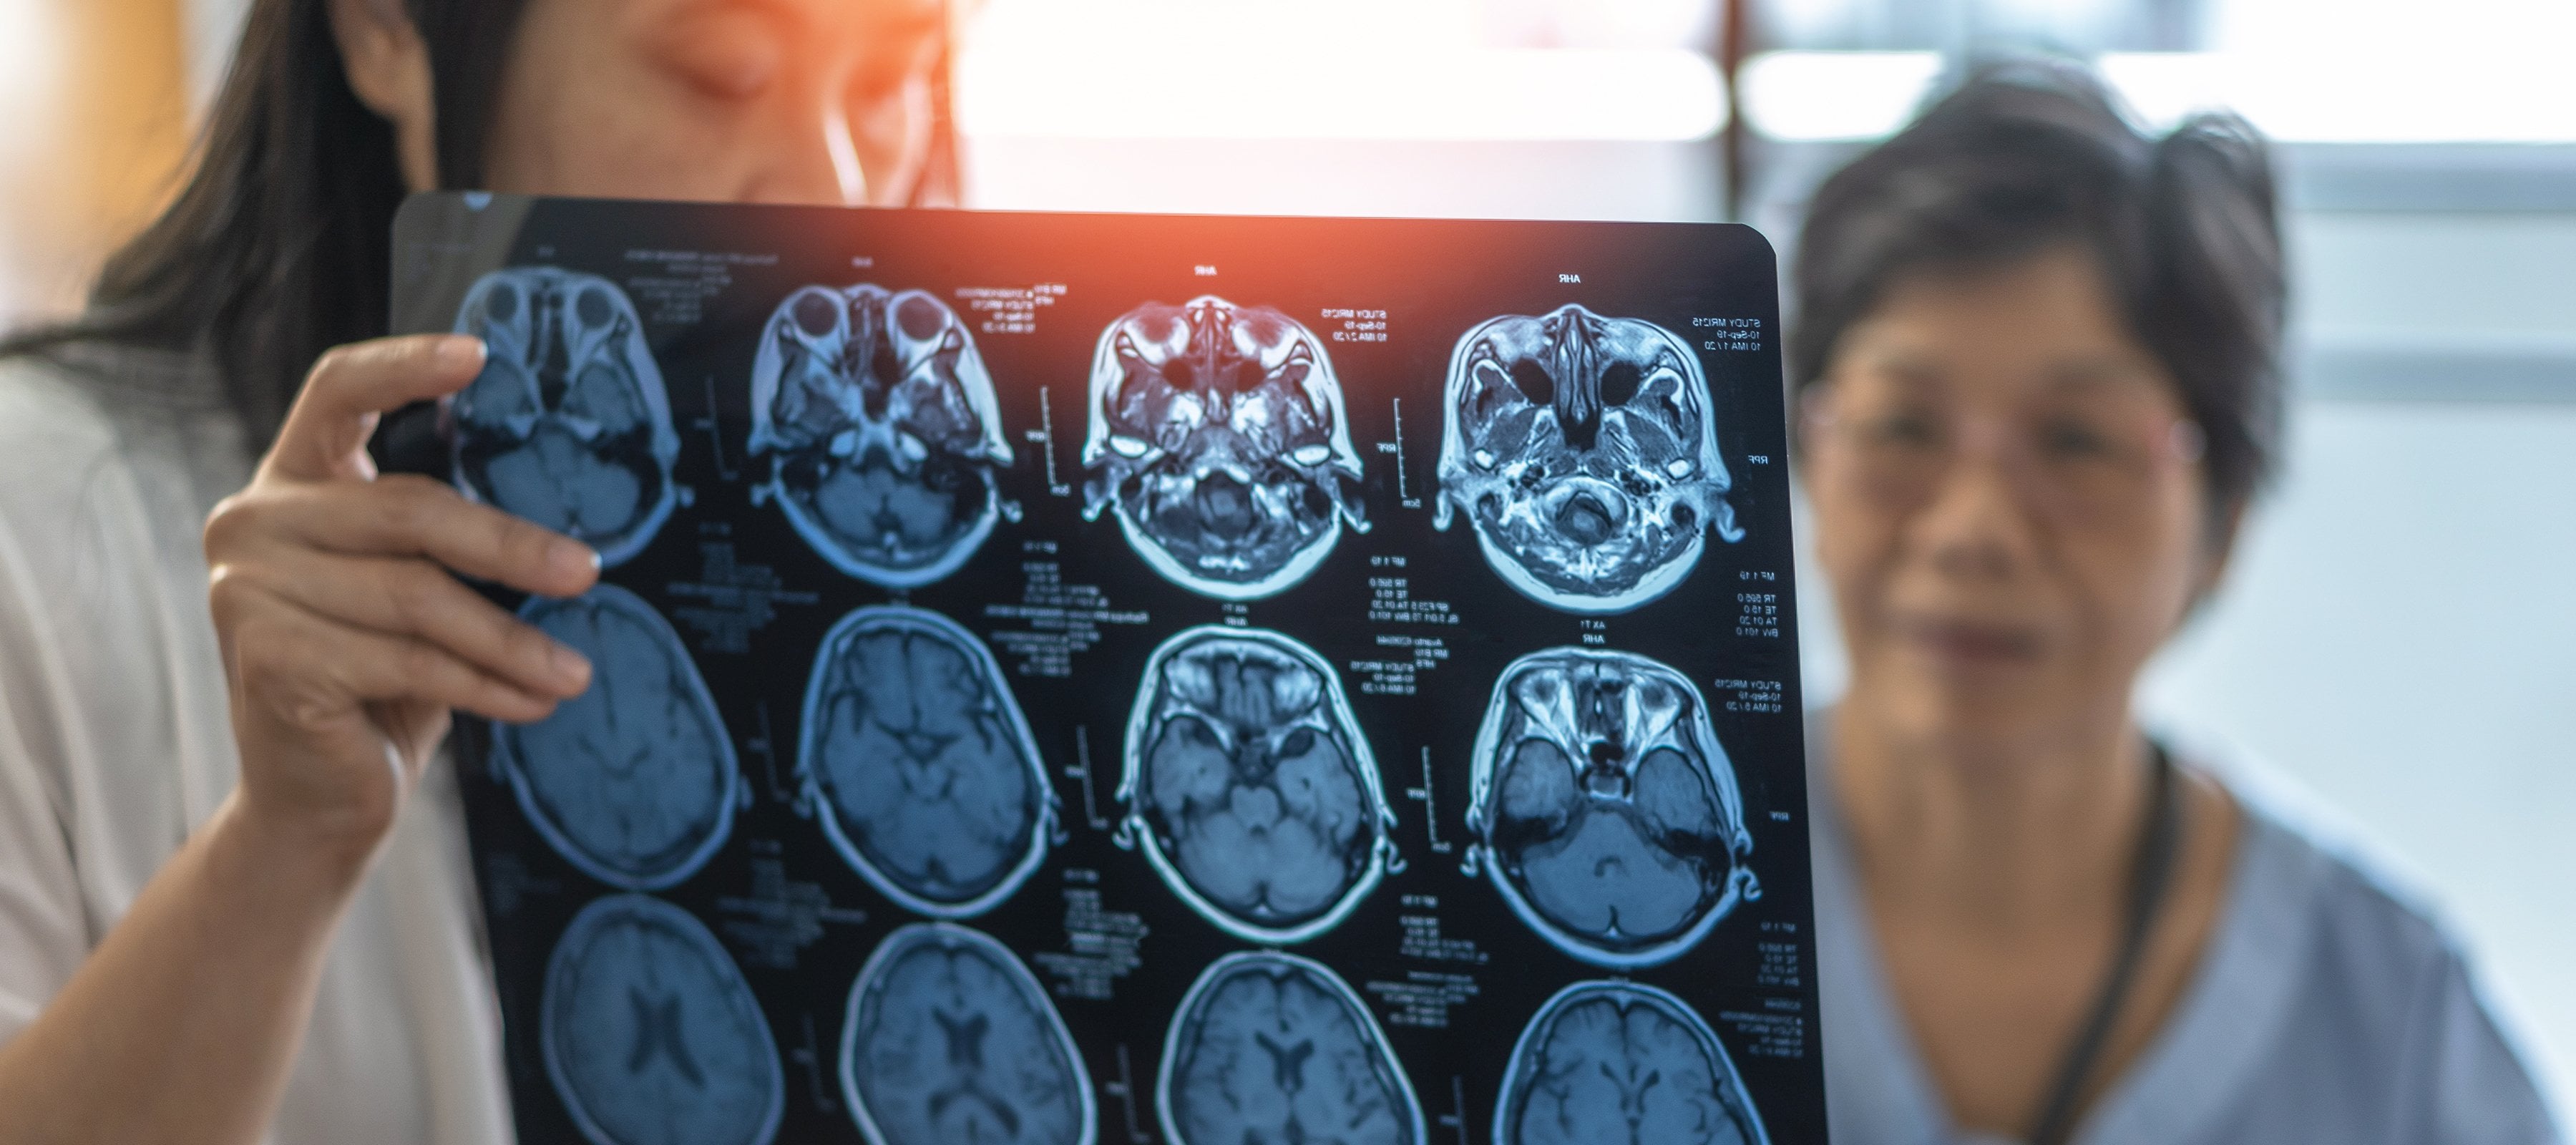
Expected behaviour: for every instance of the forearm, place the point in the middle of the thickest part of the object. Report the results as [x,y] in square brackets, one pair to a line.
[183,1024]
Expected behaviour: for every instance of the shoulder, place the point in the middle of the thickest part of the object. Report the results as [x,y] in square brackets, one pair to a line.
[53,441]
[2371,1005]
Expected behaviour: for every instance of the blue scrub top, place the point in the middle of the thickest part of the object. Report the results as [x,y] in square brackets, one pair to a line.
[2326,1009]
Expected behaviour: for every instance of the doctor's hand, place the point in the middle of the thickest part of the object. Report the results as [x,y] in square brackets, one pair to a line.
[345,640]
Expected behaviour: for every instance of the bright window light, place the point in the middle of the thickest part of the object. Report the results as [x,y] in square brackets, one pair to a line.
[2486,97]
[1453,93]
[2502,95]
[1820,96]
[1313,69]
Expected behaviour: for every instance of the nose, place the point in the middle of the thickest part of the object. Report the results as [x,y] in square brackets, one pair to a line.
[1973,522]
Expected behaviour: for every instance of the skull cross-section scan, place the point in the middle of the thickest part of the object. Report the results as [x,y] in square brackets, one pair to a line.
[1603,808]
[651,1035]
[882,430]
[1250,786]
[634,780]
[568,425]
[1219,435]
[950,1041]
[920,764]
[1582,450]
[1270,1047]
[1620,1061]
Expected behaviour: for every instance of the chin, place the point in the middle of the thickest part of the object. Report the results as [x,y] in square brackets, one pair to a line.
[1968,710]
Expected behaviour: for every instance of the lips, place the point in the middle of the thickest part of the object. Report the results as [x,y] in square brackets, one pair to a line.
[1973,643]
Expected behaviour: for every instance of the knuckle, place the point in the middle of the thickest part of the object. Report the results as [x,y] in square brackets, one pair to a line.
[410,597]
[332,364]
[421,665]
[233,520]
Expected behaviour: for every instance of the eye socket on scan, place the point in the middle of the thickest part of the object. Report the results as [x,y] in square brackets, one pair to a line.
[1533,381]
[1581,448]
[1217,437]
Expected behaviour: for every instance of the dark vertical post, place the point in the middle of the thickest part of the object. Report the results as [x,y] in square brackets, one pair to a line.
[1731,140]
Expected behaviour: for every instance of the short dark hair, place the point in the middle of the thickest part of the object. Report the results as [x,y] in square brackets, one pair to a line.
[2027,155]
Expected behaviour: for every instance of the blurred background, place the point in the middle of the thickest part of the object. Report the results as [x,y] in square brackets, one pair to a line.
[2399,637]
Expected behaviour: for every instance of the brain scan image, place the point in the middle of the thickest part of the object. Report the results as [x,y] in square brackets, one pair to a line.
[1250,787]
[1604,809]
[920,763]
[568,425]
[1582,451]
[1217,433]
[1608,1062]
[633,781]
[950,1041]
[1273,1049]
[651,1035]
[882,430]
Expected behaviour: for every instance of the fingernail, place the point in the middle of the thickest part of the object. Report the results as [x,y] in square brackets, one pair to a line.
[570,666]
[463,349]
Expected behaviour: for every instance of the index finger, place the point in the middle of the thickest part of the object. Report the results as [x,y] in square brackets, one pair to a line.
[351,386]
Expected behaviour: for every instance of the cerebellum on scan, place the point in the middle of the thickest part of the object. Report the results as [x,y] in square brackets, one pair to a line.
[949,1040]
[1618,1061]
[650,1034]
[1217,434]
[1250,787]
[881,431]
[1583,452]
[1603,808]
[633,781]
[1270,1047]
[919,764]
[568,424]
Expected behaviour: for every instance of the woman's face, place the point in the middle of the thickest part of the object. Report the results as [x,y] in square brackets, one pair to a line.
[2007,502]
[810,101]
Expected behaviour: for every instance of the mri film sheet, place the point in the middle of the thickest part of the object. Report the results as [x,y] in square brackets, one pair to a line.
[1071,679]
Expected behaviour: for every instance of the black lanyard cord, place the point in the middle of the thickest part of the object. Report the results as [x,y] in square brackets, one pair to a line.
[2150,877]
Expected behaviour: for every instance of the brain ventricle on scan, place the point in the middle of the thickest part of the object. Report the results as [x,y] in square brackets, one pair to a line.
[1219,436]
[1622,1061]
[568,425]
[1270,1047]
[919,763]
[633,781]
[1250,787]
[1604,810]
[950,1041]
[651,1035]
[1582,450]
[882,429]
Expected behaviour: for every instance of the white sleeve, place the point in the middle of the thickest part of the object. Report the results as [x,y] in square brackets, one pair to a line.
[44,924]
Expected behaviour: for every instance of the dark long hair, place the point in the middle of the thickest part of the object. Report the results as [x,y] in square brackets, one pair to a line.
[275,248]
[2029,154]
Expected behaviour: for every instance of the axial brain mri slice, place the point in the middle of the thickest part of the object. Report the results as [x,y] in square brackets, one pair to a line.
[1250,786]
[568,424]
[1582,450]
[950,1041]
[1219,436]
[633,781]
[651,1035]
[882,428]
[920,763]
[1269,1047]
[1619,1061]
[1604,809]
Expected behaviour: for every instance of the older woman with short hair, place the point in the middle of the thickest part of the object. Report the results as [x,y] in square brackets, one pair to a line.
[2037,371]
